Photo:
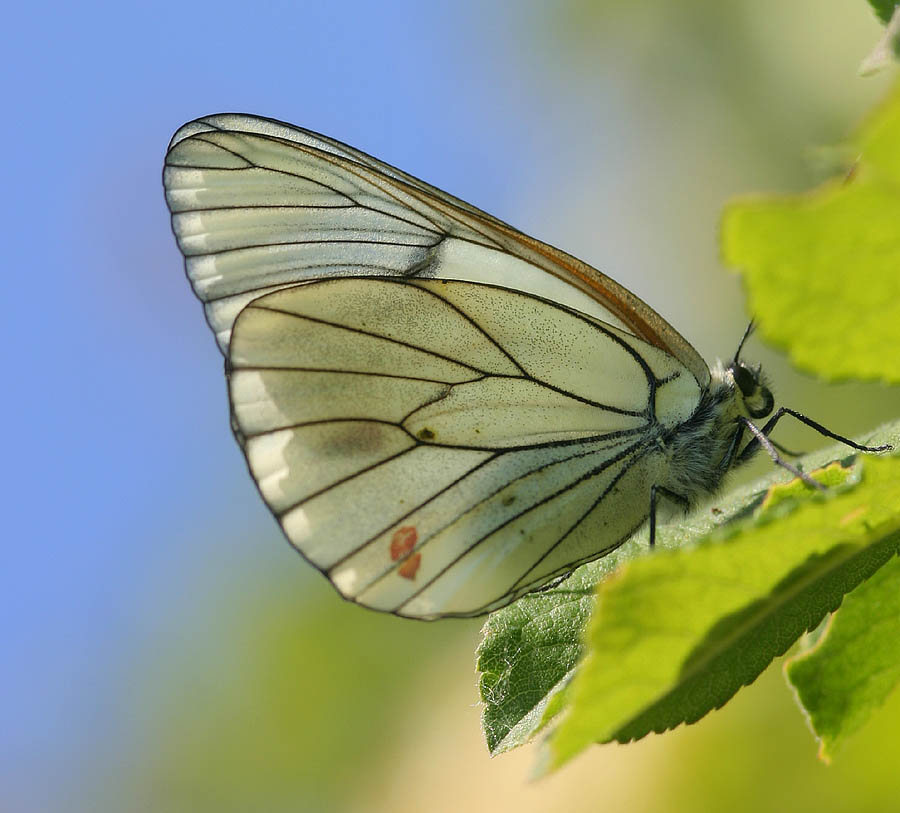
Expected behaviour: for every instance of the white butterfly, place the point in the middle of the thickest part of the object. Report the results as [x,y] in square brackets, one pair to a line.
[442,412]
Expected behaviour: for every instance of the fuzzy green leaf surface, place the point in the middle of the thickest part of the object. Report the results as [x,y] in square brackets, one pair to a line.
[527,656]
[821,270]
[531,650]
[853,668]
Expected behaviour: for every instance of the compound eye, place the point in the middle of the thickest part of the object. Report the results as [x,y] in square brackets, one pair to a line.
[763,403]
[746,381]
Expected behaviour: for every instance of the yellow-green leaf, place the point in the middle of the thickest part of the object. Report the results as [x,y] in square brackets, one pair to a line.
[676,634]
[822,271]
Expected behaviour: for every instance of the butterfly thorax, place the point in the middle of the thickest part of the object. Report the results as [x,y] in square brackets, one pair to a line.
[704,448]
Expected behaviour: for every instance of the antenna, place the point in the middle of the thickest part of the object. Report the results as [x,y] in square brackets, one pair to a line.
[747,332]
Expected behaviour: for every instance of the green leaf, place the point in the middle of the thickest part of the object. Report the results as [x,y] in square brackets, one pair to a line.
[531,649]
[676,634]
[884,9]
[527,655]
[821,270]
[856,664]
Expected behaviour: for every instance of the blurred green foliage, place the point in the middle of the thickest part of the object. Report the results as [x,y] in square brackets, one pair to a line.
[821,270]
[307,698]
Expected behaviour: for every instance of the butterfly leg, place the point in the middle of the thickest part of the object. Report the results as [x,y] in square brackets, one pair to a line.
[782,411]
[785,450]
[660,491]
[760,438]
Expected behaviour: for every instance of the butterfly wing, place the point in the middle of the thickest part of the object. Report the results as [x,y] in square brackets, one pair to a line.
[433,441]
[258,204]
[440,448]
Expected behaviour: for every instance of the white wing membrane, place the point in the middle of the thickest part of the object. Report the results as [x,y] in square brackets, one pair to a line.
[258,204]
[442,412]
[377,410]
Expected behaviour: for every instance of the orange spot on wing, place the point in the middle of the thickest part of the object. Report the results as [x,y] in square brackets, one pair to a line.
[403,541]
[409,568]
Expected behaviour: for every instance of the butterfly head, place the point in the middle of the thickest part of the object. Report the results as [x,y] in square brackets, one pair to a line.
[750,382]
[757,397]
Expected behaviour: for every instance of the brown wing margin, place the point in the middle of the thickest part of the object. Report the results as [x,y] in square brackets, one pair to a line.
[646,323]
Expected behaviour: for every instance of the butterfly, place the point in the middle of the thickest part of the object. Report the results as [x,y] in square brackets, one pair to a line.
[442,413]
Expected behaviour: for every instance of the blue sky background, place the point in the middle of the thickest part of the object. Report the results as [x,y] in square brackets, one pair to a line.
[614,133]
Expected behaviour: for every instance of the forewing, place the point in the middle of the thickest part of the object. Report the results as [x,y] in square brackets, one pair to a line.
[257,205]
[439,448]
